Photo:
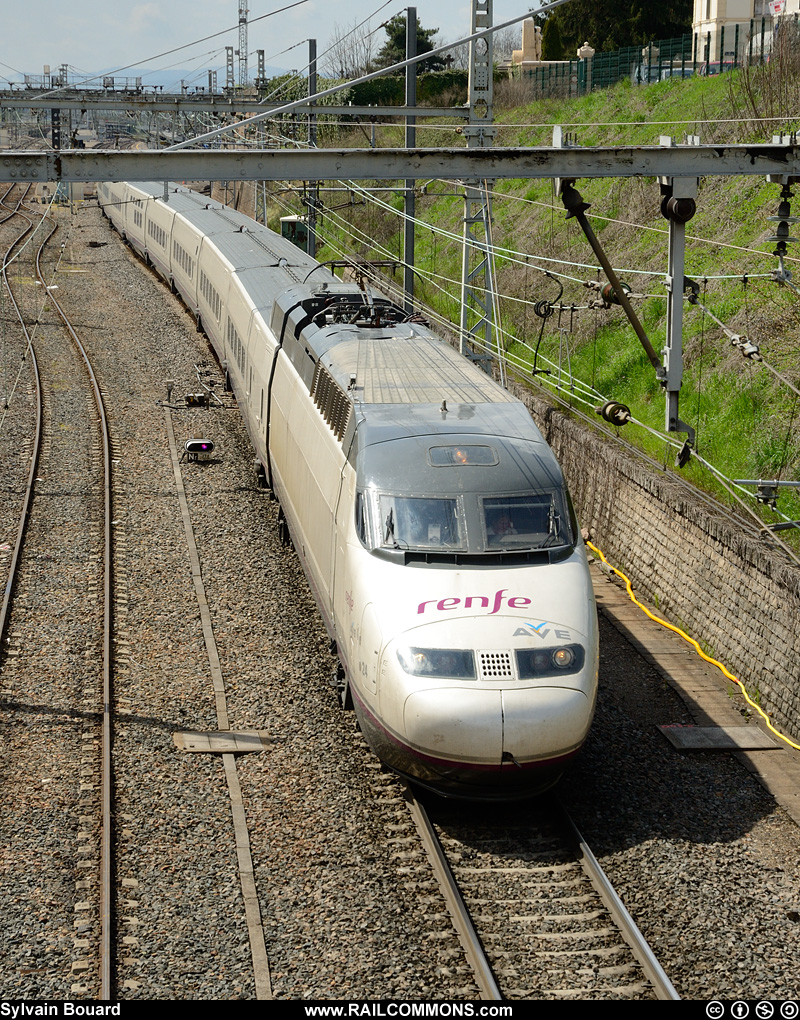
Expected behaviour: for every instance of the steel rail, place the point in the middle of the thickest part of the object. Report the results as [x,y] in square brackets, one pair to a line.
[5,607]
[455,904]
[470,939]
[13,211]
[653,970]
[106,855]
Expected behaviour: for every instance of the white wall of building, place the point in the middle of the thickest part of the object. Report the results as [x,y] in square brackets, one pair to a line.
[711,17]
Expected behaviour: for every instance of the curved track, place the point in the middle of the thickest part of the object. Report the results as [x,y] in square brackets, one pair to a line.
[106,862]
[70,447]
[28,350]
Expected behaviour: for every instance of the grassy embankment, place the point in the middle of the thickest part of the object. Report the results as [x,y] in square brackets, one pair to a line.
[746,421]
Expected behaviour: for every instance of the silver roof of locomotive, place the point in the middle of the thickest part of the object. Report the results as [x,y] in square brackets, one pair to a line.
[414,369]
[402,379]
[402,363]
[404,373]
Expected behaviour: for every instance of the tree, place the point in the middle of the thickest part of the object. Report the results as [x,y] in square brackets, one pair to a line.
[612,24]
[394,49]
[350,52]
[552,46]
[505,42]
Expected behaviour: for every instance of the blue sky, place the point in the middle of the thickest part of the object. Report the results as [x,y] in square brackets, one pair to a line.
[95,35]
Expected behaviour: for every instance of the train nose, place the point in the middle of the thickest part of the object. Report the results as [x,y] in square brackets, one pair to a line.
[477,704]
[452,723]
[490,727]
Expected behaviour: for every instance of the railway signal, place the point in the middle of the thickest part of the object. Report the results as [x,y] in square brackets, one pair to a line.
[198,449]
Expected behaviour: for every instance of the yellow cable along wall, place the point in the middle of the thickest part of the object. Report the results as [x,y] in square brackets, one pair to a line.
[696,646]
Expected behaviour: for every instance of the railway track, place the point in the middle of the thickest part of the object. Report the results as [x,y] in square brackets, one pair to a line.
[26,430]
[61,606]
[67,634]
[57,624]
[536,915]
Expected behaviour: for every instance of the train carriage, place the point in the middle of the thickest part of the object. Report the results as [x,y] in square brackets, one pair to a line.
[431,518]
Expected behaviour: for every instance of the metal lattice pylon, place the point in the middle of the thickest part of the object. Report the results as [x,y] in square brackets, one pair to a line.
[477,275]
[242,43]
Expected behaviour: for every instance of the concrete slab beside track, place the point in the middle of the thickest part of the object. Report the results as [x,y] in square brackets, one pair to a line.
[711,698]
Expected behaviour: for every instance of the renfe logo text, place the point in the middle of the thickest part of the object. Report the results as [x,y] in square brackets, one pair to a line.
[477,602]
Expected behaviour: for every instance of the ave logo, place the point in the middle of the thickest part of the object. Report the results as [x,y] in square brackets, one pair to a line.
[541,630]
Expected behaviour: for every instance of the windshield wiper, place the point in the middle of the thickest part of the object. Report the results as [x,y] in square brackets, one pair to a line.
[389,523]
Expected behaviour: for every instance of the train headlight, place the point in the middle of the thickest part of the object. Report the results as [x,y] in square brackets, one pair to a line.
[455,663]
[535,663]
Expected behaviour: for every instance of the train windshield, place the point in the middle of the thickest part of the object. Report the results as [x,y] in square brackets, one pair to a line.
[515,523]
[420,522]
[534,521]
[444,496]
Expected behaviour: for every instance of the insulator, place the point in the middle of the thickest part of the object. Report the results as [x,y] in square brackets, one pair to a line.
[781,235]
[680,210]
[784,211]
[614,412]
[767,494]
[610,296]
[683,456]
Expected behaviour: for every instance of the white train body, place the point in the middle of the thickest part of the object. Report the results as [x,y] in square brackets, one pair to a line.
[430,516]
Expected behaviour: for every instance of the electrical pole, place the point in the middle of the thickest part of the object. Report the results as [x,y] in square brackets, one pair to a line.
[313,190]
[410,142]
[242,43]
[678,205]
[478,296]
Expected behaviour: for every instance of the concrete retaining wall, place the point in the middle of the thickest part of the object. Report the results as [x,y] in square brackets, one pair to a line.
[729,591]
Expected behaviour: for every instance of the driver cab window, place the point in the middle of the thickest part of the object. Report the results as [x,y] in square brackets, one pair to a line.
[530,522]
[415,522]
[361,518]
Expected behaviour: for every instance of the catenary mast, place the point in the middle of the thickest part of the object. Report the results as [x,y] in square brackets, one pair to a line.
[242,43]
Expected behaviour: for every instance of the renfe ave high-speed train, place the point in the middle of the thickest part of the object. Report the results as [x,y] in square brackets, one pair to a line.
[430,516]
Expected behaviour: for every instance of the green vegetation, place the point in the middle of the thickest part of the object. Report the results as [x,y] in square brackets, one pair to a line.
[394,49]
[552,43]
[746,419]
[610,24]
